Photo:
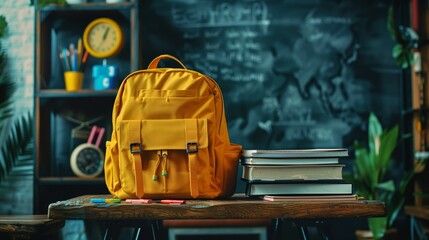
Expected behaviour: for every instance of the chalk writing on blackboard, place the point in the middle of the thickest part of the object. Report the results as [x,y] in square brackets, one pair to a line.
[223,14]
[292,75]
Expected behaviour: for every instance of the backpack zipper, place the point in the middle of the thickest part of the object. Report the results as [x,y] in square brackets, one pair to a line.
[162,160]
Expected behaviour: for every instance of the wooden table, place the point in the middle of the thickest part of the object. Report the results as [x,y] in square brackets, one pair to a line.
[29,227]
[236,207]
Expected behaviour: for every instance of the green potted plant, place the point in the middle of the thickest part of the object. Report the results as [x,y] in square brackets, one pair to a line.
[15,128]
[370,175]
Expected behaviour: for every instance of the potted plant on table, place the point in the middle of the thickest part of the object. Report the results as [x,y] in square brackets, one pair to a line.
[370,176]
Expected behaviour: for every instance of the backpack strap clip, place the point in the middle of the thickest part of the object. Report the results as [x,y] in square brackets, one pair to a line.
[191,147]
[135,147]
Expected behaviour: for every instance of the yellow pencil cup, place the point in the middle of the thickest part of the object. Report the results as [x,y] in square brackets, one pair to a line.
[73,80]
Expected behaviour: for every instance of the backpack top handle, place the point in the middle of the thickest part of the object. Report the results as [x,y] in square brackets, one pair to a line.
[155,61]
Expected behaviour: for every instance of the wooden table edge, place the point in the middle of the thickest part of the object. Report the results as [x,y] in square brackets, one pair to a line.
[233,208]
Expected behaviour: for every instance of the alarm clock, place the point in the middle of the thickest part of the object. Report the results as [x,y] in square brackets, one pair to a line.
[87,160]
[103,38]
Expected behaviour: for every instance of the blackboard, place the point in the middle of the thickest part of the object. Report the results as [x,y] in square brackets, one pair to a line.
[294,74]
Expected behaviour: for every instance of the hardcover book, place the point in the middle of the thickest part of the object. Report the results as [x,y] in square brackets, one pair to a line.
[297,153]
[255,188]
[311,198]
[292,172]
[287,161]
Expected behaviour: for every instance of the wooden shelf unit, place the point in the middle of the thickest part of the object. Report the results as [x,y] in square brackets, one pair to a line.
[418,209]
[58,112]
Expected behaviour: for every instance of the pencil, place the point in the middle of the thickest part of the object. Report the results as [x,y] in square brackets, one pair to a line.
[79,52]
[84,59]
[66,55]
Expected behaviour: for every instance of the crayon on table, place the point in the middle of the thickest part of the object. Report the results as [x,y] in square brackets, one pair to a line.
[105,200]
[173,202]
[138,200]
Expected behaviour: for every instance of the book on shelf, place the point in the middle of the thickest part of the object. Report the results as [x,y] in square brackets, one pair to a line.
[287,161]
[318,187]
[292,172]
[311,198]
[297,153]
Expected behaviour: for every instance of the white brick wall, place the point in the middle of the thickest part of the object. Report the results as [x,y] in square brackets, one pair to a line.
[19,47]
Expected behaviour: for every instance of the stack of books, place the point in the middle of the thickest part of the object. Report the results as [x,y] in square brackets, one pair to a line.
[285,174]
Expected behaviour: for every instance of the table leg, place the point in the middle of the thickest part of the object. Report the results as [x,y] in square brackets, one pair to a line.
[277,229]
[155,227]
[137,232]
[323,232]
[142,229]
[320,227]
[112,232]
[303,232]
[149,230]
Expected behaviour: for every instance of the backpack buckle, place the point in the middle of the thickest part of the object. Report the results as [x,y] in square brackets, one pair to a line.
[191,147]
[135,148]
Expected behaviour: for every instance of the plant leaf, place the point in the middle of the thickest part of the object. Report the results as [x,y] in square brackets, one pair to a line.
[388,144]
[388,186]
[3,25]
[397,50]
[391,23]
[374,131]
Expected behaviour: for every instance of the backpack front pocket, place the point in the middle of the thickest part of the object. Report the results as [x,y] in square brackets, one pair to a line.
[173,153]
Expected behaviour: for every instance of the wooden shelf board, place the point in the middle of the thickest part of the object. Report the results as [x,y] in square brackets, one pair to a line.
[61,93]
[421,212]
[88,6]
[70,180]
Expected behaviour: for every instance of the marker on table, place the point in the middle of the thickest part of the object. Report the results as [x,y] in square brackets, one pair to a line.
[138,200]
[105,200]
[173,202]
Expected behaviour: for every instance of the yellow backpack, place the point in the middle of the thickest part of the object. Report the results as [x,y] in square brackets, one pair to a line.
[169,137]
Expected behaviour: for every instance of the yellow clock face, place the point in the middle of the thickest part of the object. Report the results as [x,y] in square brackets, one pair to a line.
[103,38]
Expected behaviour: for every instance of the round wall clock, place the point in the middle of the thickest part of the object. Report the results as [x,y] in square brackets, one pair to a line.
[103,37]
[87,160]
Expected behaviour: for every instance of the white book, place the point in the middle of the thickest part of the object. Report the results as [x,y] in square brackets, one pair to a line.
[287,161]
[293,172]
[298,188]
[311,198]
[297,153]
